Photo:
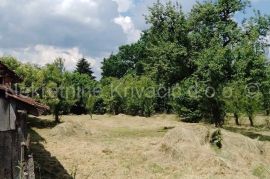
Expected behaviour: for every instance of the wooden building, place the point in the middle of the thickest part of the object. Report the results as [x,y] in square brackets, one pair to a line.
[15,159]
[7,76]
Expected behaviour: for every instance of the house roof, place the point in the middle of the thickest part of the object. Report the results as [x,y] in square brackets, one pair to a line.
[23,102]
[8,72]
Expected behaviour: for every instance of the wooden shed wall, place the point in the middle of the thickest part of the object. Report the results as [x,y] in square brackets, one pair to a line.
[7,115]
[15,160]
[9,155]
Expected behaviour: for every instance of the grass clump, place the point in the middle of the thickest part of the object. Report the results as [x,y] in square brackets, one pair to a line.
[261,172]
[216,139]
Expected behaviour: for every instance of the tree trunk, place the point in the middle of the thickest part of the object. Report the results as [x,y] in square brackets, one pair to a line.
[57,119]
[218,122]
[251,120]
[236,117]
[218,115]
[91,115]
[267,112]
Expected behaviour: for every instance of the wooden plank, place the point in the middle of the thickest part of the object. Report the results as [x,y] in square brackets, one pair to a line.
[4,115]
[13,151]
[6,154]
[22,134]
[16,150]
[7,115]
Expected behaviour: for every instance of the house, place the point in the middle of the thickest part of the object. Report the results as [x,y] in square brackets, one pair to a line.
[15,161]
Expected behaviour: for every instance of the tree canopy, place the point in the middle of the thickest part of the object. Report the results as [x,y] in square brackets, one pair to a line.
[201,65]
[84,67]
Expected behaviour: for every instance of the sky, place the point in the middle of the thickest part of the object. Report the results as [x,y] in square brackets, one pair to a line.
[38,31]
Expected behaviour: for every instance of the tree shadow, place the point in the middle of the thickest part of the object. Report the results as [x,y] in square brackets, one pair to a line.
[249,133]
[46,165]
[41,124]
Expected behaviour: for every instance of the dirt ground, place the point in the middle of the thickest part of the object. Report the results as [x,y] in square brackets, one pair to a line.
[136,147]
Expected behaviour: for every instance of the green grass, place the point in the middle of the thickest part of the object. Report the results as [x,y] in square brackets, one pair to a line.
[261,172]
[155,168]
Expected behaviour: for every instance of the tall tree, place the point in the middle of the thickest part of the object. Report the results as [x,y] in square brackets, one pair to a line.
[56,92]
[83,87]
[84,67]
[126,61]
[221,46]
[168,47]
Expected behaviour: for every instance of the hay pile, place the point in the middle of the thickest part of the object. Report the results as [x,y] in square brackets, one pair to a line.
[70,128]
[189,146]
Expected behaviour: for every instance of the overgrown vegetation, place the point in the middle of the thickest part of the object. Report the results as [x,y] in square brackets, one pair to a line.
[200,65]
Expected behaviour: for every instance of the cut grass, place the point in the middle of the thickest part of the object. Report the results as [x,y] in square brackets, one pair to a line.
[155,168]
[135,147]
[261,172]
[134,133]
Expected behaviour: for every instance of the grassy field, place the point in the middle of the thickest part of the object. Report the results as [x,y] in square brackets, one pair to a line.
[137,147]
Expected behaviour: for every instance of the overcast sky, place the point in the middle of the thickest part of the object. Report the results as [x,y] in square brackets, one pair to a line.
[38,31]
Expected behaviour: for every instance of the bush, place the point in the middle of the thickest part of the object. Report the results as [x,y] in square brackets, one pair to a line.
[185,102]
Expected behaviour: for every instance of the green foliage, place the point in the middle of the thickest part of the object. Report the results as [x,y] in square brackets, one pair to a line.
[185,101]
[130,95]
[53,85]
[205,48]
[199,57]
[169,58]
[56,93]
[83,87]
[90,105]
[266,91]
[112,95]
[261,171]
[252,105]
[84,67]
[216,138]
[32,75]
[234,97]
[140,94]
[11,62]
[127,60]
[225,52]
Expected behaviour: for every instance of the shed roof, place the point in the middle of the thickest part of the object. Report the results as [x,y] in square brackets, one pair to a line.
[30,105]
